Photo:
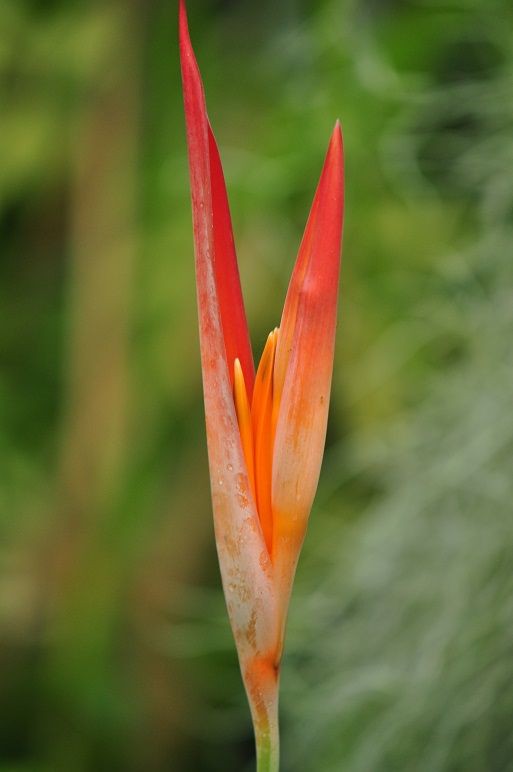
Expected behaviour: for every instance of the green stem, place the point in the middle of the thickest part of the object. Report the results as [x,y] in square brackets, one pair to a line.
[267,738]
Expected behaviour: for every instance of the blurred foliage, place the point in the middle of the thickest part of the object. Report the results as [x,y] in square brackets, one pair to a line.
[115,651]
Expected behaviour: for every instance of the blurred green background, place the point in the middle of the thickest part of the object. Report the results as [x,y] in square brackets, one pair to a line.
[115,651]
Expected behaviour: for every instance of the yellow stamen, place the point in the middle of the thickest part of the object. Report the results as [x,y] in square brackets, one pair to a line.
[243,411]
[261,412]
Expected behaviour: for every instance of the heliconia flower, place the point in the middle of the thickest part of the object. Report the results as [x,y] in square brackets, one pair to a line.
[265,432]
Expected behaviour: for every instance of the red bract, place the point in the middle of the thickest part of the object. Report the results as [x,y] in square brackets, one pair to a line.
[265,433]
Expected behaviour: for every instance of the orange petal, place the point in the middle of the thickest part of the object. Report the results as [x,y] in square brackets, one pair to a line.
[261,410]
[243,410]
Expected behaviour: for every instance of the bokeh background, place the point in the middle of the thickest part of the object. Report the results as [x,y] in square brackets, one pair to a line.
[115,652]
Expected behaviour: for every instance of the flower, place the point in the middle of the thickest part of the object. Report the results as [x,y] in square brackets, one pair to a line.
[265,432]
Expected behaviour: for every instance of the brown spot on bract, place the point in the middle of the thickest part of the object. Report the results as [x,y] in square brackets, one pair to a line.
[251,630]
[264,562]
[231,545]
[242,483]
[242,500]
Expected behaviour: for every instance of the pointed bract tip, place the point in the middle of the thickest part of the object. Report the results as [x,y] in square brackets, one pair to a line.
[336,135]
[336,147]
[183,25]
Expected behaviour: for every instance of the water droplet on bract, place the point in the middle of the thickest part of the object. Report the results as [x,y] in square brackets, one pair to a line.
[231,587]
[220,481]
[230,468]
